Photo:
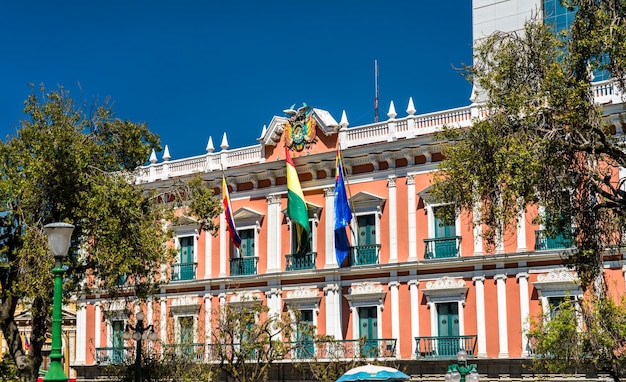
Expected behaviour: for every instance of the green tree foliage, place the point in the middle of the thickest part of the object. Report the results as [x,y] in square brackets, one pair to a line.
[246,339]
[71,164]
[543,141]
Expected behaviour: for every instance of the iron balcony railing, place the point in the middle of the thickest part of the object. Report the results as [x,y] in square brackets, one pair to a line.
[300,262]
[243,266]
[342,349]
[543,241]
[191,351]
[444,346]
[365,254]
[442,247]
[114,355]
[184,271]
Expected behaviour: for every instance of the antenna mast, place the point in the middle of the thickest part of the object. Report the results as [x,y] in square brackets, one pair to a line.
[376,90]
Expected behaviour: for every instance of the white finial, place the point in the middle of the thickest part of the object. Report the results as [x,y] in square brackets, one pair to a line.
[344,120]
[166,154]
[392,111]
[411,108]
[209,146]
[263,131]
[153,158]
[224,144]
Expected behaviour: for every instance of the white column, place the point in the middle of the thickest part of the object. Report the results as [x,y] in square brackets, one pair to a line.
[163,323]
[333,310]
[98,323]
[415,318]
[273,304]
[393,219]
[354,312]
[224,245]
[207,318]
[395,315]
[502,313]
[329,210]
[522,279]
[273,233]
[412,207]
[521,231]
[208,255]
[481,326]
[478,232]
[81,334]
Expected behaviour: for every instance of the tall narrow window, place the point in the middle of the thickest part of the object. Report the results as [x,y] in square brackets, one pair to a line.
[117,342]
[448,329]
[368,331]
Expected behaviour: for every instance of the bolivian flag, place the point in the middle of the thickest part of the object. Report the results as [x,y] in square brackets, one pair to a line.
[296,206]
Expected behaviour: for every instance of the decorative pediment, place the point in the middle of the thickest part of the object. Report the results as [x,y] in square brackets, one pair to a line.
[303,298]
[185,305]
[313,210]
[366,294]
[325,123]
[558,282]
[116,310]
[248,217]
[366,202]
[445,289]
[245,298]
[185,225]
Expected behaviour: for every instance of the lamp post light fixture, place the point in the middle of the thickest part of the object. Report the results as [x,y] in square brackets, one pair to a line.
[140,332]
[59,236]
[461,371]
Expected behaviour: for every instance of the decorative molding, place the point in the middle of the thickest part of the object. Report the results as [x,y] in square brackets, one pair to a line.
[445,289]
[273,199]
[303,298]
[329,192]
[185,305]
[331,288]
[366,294]
[410,179]
[557,282]
[391,181]
[244,298]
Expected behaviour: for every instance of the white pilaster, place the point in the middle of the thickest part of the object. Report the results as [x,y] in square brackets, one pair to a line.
[393,219]
[273,233]
[395,315]
[522,279]
[163,322]
[333,311]
[224,245]
[273,303]
[481,326]
[208,255]
[98,315]
[502,314]
[415,318]
[81,334]
[329,210]
[207,318]
[412,207]
[521,231]
[478,232]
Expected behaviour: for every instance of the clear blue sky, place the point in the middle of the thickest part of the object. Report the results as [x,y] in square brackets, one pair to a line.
[194,69]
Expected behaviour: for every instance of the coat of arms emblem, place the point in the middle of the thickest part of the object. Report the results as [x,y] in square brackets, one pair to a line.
[300,128]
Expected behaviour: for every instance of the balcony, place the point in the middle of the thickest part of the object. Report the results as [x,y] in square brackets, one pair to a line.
[114,355]
[192,351]
[243,266]
[184,271]
[300,262]
[342,349]
[444,347]
[557,241]
[442,247]
[364,254]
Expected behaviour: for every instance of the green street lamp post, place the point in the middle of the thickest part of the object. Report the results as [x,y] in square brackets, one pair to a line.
[59,236]
[140,333]
[461,371]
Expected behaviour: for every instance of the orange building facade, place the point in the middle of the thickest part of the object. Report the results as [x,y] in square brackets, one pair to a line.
[414,287]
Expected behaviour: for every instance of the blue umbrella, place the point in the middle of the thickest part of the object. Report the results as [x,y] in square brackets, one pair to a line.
[373,373]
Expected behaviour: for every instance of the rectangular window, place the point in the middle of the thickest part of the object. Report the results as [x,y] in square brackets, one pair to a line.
[186,265]
[186,336]
[246,249]
[304,335]
[368,331]
[117,342]
[294,239]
